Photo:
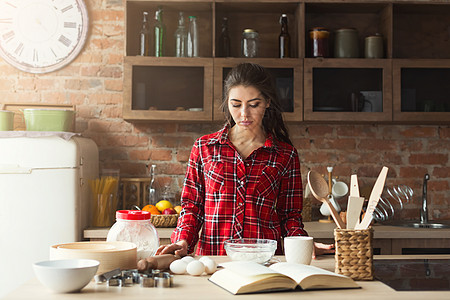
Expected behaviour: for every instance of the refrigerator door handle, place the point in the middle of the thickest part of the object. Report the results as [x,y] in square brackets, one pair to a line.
[14,169]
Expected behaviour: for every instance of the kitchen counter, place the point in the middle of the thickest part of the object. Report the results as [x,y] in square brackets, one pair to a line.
[387,239]
[198,287]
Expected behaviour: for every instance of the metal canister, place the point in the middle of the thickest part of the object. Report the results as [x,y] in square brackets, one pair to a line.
[249,43]
[319,38]
[374,46]
[346,43]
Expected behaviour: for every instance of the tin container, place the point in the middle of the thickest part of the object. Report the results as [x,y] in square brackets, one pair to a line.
[319,39]
[6,120]
[373,46]
[346,43]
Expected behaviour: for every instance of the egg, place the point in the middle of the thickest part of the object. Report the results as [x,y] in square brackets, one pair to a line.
[195,268]
[210,265]
[178,266]
[204,258]
[188,259]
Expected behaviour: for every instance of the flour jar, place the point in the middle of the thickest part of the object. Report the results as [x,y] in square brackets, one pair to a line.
[346,43]
[134,226]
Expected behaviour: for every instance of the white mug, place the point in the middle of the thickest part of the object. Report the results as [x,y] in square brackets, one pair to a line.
[298,249]
[339,189]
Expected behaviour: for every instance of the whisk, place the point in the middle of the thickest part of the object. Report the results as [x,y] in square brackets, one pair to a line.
[392,200]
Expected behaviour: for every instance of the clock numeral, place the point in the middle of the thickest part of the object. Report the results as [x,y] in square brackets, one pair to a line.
[10,4]
[70,25]
[9,35]
[6,20]
[53,51]
[19,49]
[66,8]
[65,41]
[35,55]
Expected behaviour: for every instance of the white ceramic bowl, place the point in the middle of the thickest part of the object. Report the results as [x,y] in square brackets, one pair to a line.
[66,275]
[257,250]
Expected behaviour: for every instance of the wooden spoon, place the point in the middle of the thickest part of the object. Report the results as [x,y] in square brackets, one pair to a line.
[319,189]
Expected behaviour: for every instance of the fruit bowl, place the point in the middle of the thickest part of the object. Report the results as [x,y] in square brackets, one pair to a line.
[66,275]
[249,249]
[165,220]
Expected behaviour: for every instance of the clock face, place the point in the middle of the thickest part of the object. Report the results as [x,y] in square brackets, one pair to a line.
[41,36]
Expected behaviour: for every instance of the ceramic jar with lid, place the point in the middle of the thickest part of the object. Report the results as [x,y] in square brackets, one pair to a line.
[135,226]
[319,39]
[374,46]
[346,43]
[249,43]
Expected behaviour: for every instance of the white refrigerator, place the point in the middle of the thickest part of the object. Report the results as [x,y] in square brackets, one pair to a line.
[44,199]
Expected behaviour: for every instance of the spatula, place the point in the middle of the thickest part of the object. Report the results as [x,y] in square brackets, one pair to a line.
[319,189]
[373,199]
[354,204]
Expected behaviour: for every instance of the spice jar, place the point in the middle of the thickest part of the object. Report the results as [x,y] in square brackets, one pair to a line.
[249,43]
[134,226]
[319,38]
[373,46]
[346,43]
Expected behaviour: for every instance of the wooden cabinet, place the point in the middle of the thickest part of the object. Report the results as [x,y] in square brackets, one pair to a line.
[407,85]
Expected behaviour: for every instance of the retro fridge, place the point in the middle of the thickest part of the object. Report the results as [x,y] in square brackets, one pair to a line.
[44,199]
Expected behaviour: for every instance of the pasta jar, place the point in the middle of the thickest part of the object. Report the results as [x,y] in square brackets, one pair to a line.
[249,43]
[319,37]
[134,226]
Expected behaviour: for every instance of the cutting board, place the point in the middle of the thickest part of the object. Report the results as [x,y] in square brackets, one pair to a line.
[17,108]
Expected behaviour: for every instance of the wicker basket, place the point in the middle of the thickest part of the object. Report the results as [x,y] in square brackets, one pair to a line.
[164,220]
[354,253]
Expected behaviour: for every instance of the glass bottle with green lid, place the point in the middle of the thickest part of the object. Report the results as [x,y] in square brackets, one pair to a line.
[160,32]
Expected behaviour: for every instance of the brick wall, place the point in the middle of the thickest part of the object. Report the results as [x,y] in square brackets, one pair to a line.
[93,82]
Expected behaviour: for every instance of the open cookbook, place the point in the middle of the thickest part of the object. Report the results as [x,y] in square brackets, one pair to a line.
[240,277]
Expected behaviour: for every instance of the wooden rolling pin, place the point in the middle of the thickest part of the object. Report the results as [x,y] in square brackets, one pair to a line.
[160,262]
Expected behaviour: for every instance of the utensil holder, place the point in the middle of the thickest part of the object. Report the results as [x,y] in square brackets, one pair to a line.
[354,253]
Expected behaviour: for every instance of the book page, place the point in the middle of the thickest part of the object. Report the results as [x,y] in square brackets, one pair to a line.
[247,268]
[298,272]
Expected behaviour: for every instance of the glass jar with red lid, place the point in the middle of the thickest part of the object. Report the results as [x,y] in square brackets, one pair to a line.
[135,226]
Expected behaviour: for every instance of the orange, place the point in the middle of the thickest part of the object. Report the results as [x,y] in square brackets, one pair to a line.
[152,209]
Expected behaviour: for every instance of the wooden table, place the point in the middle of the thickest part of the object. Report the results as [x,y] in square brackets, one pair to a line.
[386,240]
[188,287]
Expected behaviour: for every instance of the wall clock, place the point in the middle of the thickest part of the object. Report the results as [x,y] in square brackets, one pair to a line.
[41,36]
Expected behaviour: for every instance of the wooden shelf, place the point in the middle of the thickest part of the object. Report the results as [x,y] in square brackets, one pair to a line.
[415,37]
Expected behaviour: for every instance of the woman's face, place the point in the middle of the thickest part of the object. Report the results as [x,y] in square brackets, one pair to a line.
[247,106]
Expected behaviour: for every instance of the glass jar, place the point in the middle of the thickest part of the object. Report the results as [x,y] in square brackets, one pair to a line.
[249,43]
[319,38]
[134,226]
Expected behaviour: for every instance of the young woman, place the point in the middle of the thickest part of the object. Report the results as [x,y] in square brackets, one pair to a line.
[243,181]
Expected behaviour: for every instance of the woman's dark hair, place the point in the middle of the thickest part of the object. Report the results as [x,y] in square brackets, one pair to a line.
[249,74]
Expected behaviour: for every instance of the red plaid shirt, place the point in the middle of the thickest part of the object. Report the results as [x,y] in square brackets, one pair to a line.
[227,197]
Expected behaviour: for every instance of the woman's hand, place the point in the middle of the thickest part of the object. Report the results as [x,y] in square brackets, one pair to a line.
[320,249]
[179,248]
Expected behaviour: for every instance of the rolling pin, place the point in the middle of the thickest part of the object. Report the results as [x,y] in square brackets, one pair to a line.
[160,262]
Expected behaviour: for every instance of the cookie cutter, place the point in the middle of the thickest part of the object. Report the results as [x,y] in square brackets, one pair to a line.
[156,279]
[164,280]
[100,278]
